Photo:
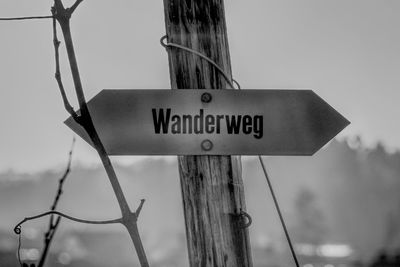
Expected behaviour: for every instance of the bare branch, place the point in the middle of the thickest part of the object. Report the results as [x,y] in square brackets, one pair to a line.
[64,176]
[59,11]
[53,225]
[56,43]
[85,120]
[139,209]
[75,5]
[62,179]
[63,16]
[17,228]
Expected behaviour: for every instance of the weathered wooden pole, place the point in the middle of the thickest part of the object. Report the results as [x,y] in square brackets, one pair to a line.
[212,186]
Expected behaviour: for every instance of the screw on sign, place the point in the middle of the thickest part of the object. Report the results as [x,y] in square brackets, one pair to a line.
[206,145]
[206,97]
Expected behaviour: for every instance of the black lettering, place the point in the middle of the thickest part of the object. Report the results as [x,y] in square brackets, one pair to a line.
[160,121]
[233,124]
[219,118]
[258,126]
[198,122]
[247,121]
[210,121]
[187,123]
[176,124]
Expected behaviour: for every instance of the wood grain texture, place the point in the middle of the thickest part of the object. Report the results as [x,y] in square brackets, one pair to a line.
[212,187]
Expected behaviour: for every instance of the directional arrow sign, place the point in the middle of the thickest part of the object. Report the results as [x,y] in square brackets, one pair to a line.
[211,122]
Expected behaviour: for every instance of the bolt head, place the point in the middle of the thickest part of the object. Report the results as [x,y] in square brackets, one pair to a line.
[206,98]
[206,145]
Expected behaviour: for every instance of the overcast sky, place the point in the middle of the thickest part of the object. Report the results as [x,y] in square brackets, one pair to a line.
[347,51]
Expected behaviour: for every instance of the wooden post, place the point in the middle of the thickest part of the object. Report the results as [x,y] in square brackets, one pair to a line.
[212,187]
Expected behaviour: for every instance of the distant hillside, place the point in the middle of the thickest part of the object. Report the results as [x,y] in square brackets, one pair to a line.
[340,195]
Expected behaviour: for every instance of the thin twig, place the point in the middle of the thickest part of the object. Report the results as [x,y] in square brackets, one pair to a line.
[53,225]
[28,18]
[75,5]
[64,176]
[17,228]
[56,43]
[139,209]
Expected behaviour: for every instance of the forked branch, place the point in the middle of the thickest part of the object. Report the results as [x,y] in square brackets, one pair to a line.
[63,15]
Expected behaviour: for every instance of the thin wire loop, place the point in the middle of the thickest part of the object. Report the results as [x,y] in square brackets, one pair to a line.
[166,45]
[249,219]
[231,81]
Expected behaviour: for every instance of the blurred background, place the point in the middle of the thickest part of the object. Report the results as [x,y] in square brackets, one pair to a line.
[342,205]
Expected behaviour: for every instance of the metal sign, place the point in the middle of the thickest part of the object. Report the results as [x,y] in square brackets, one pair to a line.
[211,122]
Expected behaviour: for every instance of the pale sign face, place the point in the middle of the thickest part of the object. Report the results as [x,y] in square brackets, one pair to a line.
[212,122]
